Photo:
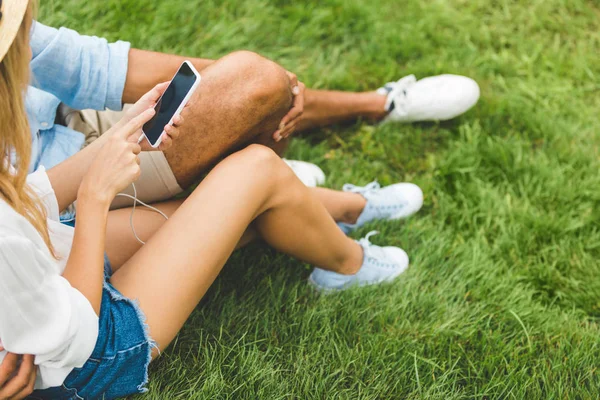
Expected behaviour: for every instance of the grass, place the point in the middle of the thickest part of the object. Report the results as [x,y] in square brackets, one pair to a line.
[503,297]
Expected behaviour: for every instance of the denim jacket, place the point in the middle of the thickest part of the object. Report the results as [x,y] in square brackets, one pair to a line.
[83,72]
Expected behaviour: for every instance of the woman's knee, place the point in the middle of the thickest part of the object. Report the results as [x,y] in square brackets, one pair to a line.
[260,170]
[263,160]
[260,158]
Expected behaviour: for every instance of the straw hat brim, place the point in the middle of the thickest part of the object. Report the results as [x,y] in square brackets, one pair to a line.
[13,12]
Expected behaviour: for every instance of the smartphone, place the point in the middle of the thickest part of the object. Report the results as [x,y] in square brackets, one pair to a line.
[170,104]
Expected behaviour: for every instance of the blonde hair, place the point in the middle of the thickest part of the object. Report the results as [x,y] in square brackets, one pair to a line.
[15,136]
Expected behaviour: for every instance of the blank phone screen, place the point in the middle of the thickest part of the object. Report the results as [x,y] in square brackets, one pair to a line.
[169,102]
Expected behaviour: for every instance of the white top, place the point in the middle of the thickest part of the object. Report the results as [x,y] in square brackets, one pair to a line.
[40,313]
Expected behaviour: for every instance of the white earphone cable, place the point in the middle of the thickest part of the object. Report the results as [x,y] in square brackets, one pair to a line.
[135,201]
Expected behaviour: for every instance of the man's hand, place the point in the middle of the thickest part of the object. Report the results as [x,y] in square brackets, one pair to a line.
[16,381]
[289,122]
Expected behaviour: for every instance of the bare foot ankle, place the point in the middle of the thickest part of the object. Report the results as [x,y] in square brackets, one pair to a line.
[356,205]
[354,262]
[377,110]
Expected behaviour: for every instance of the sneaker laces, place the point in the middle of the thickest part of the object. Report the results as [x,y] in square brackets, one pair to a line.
[348,187]
[397,90]
[369,191]
[371,251]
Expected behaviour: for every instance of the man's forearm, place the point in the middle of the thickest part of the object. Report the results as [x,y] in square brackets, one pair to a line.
[148,68]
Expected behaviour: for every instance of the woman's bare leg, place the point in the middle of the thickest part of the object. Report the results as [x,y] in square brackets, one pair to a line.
[121,244]
[173,271]
[342,206]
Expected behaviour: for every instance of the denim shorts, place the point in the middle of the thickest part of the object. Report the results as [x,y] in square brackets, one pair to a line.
[118,365]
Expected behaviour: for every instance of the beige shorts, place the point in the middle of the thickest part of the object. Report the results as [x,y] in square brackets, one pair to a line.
[156,183]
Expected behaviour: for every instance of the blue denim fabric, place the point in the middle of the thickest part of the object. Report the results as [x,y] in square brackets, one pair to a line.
[118,365]
[81,71]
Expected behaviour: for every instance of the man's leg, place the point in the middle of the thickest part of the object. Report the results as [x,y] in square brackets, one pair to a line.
[323,107]
[241,100]
[435,98]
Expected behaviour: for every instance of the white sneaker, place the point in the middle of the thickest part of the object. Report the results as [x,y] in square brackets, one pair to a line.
[380,264]
[388,203]
[308,173]
[436,98]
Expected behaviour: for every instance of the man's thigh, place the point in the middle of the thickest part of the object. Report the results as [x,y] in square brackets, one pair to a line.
[241,99]
[156,183]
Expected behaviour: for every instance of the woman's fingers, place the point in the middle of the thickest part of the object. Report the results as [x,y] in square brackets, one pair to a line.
[162,87]
[7,369]
[178,120]
[153,95]
[165,143]
[11,386]
[27,390]
[27,373]
[172,131]
[136,123]
[135,148]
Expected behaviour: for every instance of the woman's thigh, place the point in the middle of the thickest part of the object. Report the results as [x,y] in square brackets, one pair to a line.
[121,243]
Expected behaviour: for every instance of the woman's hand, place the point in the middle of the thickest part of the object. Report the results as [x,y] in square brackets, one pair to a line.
[117,164]
[16,380]
[149,100]
[68,177]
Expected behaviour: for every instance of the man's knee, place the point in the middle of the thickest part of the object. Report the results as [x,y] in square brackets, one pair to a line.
[267,82]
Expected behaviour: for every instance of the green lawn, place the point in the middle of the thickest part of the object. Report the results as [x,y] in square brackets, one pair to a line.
[503,297]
